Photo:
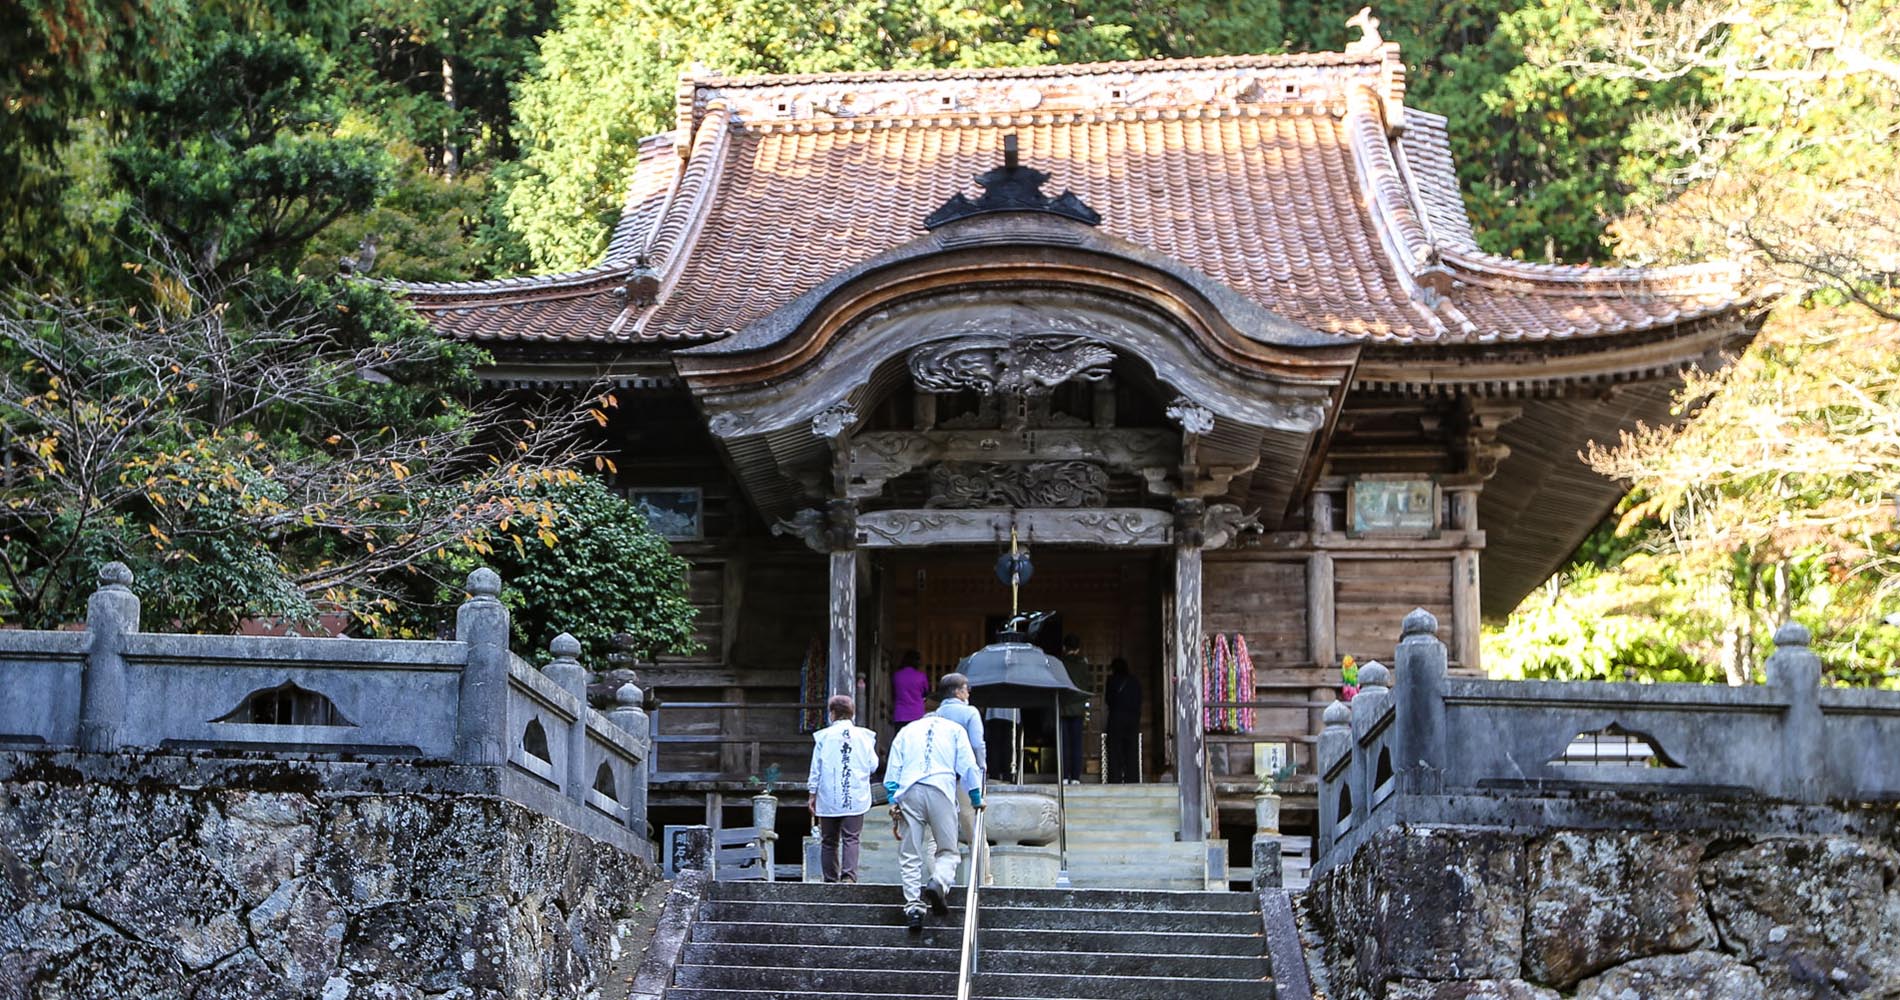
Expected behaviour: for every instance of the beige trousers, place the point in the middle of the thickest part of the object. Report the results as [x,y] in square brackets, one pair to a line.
[927,844]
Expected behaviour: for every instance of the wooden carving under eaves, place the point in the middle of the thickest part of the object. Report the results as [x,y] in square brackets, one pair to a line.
[833,529]
[1018,365]
[878,457]
[1005,484]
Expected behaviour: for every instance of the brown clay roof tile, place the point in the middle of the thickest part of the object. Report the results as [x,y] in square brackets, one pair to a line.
[1285,177]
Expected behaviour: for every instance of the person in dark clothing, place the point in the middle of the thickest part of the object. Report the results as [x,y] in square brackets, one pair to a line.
[1123,695]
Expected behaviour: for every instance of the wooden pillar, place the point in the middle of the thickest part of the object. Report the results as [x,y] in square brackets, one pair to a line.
[1320,647]
[1190,750]
[844,623]
[1464,609]
[1465,615]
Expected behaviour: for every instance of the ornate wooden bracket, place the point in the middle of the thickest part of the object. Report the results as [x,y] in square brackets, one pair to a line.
[1482,449]
[1201,525]
[831,424]
[833,529]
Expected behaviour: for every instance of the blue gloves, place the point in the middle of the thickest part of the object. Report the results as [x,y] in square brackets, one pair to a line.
[890,791]
[976,798]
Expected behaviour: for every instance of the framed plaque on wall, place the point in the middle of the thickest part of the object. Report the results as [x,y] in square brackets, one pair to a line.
[674,513]
[1392,507]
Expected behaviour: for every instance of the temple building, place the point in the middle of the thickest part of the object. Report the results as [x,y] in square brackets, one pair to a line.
[1211,338]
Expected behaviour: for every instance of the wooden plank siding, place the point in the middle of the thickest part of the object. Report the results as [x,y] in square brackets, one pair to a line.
[1264,600]
[1371,597]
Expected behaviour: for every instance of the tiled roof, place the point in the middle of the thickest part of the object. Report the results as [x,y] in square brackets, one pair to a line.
[1300,181]
[653,175]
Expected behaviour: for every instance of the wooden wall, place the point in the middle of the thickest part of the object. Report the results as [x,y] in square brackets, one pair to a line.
[1371,597]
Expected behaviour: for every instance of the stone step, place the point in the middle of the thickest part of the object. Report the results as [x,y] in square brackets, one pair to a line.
[988,984]
[676,993]
[1141,882]
[1178,921]
[1097,789]
[1234,940]
[994,960]
[1158,861]
[992,897]
[1144,854]
[1130,830]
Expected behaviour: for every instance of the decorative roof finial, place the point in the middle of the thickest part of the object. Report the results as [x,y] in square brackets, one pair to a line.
[1369,40]
[1012,187]
[642,287]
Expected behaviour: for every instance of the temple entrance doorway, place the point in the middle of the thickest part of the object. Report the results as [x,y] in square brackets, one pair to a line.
[946,602]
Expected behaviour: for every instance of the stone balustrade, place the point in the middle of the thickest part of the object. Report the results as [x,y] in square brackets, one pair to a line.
[469,702]
[1419,747]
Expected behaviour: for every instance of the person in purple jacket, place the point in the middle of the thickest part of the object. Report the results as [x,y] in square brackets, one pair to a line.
[908,686]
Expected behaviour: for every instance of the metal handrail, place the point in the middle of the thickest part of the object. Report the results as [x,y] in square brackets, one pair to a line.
[966,957]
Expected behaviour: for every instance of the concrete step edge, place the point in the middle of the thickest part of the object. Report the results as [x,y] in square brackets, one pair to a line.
[792,971]
[1011,930]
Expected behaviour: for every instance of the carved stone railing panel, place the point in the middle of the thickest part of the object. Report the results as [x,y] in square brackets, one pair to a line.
[1454,748]
[115,688]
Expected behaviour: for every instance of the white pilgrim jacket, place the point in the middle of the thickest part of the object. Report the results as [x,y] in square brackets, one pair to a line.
[841,764]
[936,752]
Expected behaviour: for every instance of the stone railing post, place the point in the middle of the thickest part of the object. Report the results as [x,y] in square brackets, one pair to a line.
[111,612]
[628,715]
[1335,770]
[566,670]
[482,704]
[1419,690]
[1795,671]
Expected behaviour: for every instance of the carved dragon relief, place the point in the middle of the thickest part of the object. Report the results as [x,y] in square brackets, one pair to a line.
[880,456]
[911,528]
[1018,365]
[1031,484]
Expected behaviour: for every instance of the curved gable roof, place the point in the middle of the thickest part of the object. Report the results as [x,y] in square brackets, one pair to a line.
[1301,182]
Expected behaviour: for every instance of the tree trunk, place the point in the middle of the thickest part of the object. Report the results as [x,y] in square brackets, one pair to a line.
[451,160]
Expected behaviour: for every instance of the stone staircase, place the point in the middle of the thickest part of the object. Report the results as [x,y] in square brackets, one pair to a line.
[1120,837]
[1123,837]
[761,941]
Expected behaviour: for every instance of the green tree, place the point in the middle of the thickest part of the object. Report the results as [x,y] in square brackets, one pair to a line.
[252,441]
[607,75]
[64,62]
[592,568]
[437,75]
[233,158]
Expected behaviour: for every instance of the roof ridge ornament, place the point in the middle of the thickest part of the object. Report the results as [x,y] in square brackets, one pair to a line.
[1012,187]
[1369,39]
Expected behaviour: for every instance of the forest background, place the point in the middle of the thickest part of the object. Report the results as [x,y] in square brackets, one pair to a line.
[180,181]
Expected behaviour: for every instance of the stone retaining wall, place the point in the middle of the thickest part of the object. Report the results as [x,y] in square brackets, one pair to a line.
[163,877]
[1464,913]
